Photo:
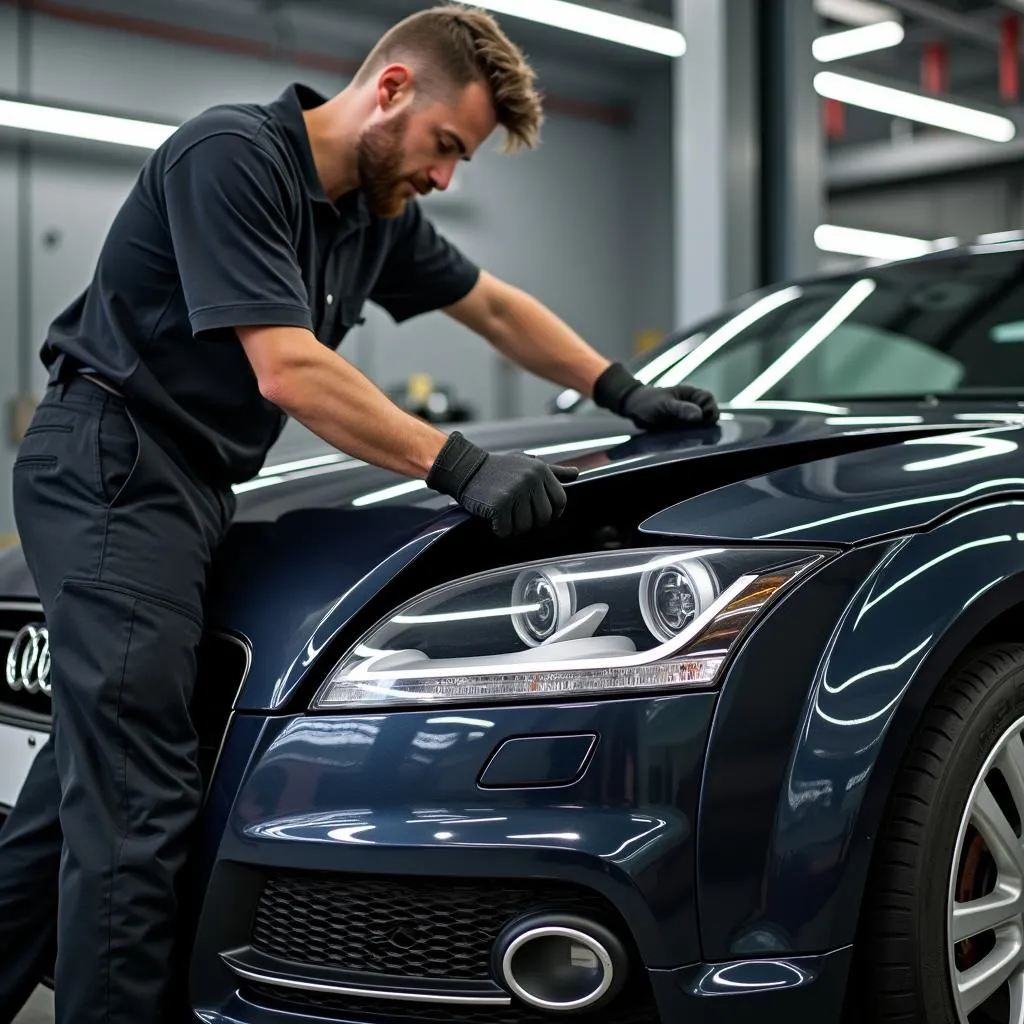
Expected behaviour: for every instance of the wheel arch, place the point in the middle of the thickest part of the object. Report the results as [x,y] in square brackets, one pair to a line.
[929,599]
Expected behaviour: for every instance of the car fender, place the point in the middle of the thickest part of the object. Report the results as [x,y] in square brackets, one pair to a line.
[856,496]
[804,873]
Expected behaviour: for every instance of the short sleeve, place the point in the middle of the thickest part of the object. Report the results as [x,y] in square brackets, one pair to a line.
[227,208]
[422,271]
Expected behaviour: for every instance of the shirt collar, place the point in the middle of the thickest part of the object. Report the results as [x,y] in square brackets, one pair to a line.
[288,108]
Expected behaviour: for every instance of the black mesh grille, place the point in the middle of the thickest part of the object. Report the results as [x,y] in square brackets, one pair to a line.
[633,1006]
[416,928]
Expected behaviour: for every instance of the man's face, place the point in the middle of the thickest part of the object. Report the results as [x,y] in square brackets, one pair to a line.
[414,148]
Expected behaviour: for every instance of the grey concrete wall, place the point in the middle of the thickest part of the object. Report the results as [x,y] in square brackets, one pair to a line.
[582,222]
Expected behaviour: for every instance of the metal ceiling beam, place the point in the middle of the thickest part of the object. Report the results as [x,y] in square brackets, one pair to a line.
[882,163]
[949,21]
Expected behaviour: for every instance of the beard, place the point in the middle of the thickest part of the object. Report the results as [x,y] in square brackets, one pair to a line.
[380,156]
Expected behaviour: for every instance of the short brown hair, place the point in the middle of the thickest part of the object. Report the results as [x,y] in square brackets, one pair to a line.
[454,45]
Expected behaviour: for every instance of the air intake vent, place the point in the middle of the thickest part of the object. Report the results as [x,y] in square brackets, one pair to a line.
[419,928]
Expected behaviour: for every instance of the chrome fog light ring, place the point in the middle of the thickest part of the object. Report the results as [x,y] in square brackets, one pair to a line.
[560,963]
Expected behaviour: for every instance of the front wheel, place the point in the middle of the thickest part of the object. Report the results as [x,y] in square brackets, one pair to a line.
[942,935]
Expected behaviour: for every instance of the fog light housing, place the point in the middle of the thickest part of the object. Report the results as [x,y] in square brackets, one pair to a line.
[560,963]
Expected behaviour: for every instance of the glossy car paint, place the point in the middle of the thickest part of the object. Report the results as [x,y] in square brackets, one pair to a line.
[857,496]
[879,668]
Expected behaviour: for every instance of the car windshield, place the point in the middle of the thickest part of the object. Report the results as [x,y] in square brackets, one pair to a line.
[944,326]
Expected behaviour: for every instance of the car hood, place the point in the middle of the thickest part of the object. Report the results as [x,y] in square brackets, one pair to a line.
[307,474]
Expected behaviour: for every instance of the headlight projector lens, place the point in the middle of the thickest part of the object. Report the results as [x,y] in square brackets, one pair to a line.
[672,596]
[553,604]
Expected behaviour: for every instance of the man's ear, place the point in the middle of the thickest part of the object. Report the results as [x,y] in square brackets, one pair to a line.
[394,86]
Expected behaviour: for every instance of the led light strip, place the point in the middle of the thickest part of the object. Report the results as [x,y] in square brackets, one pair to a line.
[78,124]
[855,41]
[590,21]
[871,244]
[924,109]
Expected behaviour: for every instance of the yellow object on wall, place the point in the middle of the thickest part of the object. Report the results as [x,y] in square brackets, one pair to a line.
[644,341]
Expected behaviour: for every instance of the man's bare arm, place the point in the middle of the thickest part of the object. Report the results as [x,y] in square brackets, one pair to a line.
[327,394]
[528,333]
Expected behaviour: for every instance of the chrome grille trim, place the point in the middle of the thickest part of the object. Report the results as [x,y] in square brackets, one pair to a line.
[21,606]
[247,973]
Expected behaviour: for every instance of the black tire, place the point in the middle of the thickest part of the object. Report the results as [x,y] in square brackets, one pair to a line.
[901,972]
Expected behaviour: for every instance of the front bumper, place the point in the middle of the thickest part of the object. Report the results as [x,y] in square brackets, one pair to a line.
[743,992]
[381,846]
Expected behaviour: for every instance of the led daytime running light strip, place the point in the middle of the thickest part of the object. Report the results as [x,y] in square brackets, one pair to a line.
[708,640]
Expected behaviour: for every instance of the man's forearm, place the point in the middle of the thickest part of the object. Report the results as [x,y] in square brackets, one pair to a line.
[528,333]
[327,394]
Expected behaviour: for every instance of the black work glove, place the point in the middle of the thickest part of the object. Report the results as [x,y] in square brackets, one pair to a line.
[653,408]
[514,492]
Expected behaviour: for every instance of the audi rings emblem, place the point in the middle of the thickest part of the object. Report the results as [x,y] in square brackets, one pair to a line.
[28,660]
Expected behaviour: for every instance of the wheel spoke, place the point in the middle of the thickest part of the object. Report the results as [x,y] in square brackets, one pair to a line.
[986,977]
[1016,1015]
[1011,764]
[976,916]
[988,818]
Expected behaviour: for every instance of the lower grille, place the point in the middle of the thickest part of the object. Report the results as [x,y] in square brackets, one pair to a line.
[417,928]
[632,1007]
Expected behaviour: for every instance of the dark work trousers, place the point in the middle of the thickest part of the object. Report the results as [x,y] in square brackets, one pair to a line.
[119,536]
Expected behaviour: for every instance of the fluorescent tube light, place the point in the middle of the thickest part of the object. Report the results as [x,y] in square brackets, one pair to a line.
[871,244]
[855,41]
[899,103]
[854,12]
[78,124]
[591,21]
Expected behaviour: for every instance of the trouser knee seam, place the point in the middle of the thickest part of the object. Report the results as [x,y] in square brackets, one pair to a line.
[124,806]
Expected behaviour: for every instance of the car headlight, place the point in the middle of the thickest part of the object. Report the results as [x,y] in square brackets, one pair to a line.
[612,622]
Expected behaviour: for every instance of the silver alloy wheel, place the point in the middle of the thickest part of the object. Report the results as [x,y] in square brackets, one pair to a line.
[993,920]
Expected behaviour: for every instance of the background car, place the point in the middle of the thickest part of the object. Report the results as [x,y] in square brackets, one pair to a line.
[739,735]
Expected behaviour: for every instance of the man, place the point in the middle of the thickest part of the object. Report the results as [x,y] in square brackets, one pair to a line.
[238,262]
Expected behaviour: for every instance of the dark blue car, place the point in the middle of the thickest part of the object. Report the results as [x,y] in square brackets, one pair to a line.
[738,739]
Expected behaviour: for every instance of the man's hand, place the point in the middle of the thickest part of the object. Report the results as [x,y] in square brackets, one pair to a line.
[514,492]
[653,408]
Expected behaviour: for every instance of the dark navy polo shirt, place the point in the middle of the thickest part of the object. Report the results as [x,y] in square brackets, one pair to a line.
[228,225]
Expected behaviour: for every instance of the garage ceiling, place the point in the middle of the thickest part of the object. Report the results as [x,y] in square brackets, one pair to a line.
[959,42]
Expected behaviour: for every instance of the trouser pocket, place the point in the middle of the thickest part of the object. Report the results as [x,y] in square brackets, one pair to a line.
[118,450]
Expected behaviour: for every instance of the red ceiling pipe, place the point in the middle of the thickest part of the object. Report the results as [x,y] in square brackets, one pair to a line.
[1009,58]
[935,68]
[835,119]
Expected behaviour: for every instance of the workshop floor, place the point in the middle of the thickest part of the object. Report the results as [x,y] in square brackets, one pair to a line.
[38,1010]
